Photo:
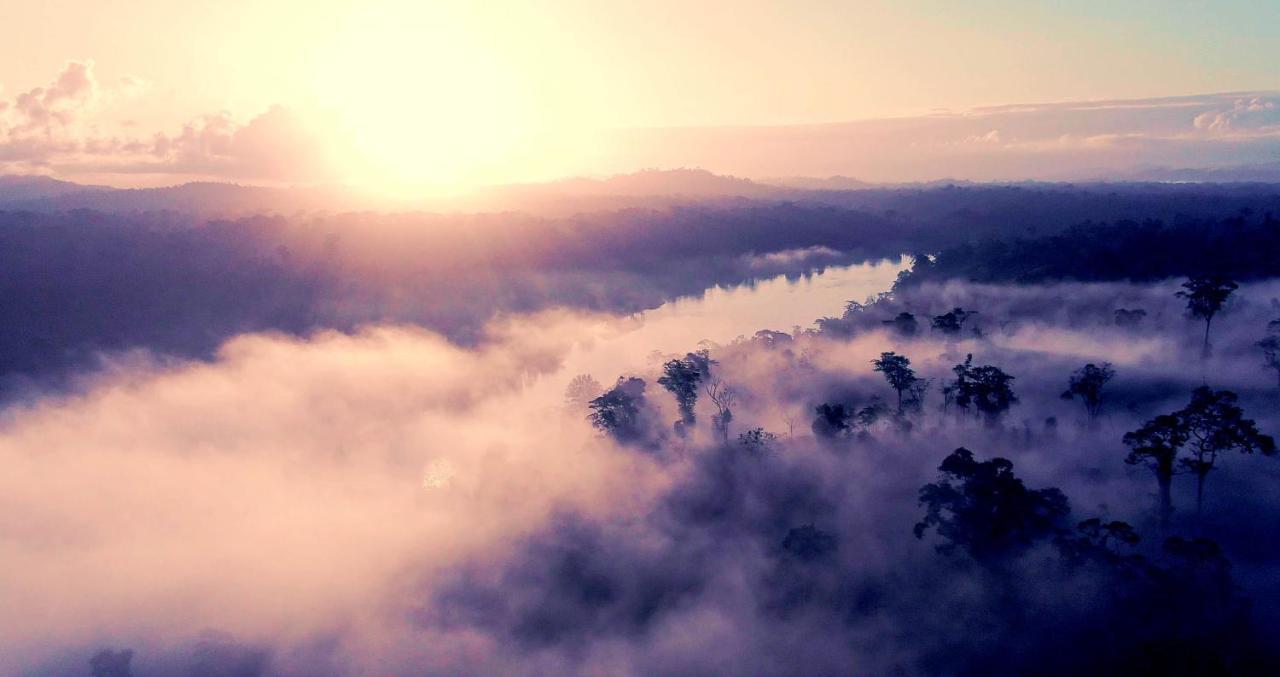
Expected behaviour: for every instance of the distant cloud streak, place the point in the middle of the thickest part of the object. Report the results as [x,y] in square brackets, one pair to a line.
[59,129]
[1056,141]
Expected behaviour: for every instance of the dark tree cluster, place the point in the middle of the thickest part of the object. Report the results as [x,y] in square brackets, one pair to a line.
[982,508]
[620,411]
[951,323]
[983,389]
[1243,247]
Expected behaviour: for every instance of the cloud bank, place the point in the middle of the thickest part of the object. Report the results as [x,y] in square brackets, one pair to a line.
[1125,139]
[59,128]
[390,503]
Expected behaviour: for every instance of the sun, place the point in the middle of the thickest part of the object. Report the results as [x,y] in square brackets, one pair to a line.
[422,101]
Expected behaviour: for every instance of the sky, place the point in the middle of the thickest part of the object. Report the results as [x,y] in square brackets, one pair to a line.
[403,94]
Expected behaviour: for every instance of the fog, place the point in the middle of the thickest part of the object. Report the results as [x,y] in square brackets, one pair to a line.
[390,502]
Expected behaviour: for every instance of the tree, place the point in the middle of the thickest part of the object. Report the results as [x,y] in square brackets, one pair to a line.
[1205,297]
[1099,542]
[1216,425]
[853,309]
[1156,445]
[868,416]
[618,412]
[905,324]
[581,390]
[897,371]
[951,323]
[681,378]
[831,421]
[916,393]
[986,510]
[772,340]
[1087,383]
[984,388]
[1270,346]
[722,396]
[757,440]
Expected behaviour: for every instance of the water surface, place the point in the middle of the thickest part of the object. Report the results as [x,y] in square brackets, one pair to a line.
[721,314]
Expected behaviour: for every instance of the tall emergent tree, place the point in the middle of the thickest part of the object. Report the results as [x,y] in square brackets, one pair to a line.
[898,372]
[723,397]
[1205,297]
[1211,424]
[1215,425]
[1086,383]
[1156,444]
[681,378]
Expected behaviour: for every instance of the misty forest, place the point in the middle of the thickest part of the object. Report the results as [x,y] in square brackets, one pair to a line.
[935,429]
[565,338]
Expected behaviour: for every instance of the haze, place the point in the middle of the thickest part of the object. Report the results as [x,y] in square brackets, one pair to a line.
[406,98]
[639,338]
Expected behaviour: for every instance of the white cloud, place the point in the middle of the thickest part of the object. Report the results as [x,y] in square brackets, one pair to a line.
[57,127]
[1257,114]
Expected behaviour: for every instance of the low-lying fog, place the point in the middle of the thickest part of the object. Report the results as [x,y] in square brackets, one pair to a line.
[389,502]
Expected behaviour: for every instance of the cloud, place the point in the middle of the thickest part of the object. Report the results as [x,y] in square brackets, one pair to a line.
[57,128]
[43,122]
[1054,141]
[278,145]
[1252,114]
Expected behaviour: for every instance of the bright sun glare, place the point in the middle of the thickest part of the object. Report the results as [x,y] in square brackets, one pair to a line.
[421,101]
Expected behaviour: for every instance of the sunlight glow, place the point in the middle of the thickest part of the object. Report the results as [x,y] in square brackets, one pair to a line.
[421,100]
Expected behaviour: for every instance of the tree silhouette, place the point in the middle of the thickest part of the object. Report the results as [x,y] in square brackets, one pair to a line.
[832,420]
[904,323]
[772,339]
[1156,444]
[1098,542]
[951,323]
[757,440]
[1216,425]
[1205,297]
[618,411]
[984,388]
[681,378]
[916,393]
[866,417]
[898,372]
[723,397]
[984,509]
[1087,383]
